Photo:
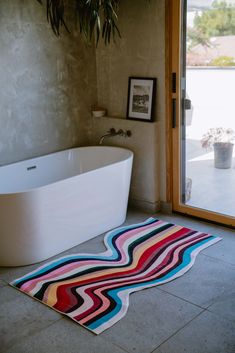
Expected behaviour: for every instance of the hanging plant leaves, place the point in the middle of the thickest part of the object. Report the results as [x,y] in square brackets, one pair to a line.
[55,15]
[96,17]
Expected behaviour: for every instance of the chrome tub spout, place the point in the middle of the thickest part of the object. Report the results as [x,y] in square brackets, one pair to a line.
[113,132]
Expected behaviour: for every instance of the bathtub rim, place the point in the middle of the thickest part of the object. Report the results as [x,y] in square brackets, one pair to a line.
[129,156]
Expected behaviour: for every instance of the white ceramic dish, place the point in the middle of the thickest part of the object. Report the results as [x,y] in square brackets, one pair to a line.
[98,113]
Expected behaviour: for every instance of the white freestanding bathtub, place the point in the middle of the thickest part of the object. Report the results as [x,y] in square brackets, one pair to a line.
[52,203]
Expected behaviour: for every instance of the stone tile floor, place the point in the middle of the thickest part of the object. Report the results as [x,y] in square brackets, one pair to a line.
[194,313]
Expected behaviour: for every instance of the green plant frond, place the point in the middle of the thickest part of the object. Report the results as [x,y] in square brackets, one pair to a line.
[55,14]
[110,27]
[97,18]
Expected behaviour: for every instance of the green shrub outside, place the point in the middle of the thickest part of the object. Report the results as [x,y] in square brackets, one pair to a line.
[223,61]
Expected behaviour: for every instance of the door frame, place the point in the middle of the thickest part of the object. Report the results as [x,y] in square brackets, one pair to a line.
[173,49]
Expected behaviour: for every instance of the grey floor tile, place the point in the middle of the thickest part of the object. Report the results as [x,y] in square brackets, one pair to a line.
[92,246]
[2,283]
[135,216]
[207,280]
[208,333]
[225,305]
[65,336]
[21,316]
[152,317]
[222,250]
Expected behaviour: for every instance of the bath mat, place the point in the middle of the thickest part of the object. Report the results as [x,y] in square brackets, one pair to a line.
[94,290]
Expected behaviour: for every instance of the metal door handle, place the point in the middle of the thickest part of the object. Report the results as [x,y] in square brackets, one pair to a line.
[187,104]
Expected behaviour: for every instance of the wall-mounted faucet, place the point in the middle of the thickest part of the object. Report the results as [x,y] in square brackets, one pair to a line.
[113,132]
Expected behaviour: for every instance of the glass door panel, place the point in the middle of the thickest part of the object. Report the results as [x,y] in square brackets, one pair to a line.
[208,108]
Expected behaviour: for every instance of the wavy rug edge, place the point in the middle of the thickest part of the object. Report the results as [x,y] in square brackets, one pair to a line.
[138,256]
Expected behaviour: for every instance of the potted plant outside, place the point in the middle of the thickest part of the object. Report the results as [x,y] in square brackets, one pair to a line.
[222,141]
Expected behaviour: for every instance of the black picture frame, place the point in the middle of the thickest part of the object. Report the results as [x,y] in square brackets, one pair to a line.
[141,98]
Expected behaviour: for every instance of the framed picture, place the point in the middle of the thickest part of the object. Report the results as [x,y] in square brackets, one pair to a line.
[141,97]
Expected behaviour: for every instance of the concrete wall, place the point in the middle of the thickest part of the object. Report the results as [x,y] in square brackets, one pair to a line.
[144,142]
[140,52]
[48,84]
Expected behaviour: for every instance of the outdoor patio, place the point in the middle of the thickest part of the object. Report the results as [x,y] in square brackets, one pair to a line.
[213,106]
[212,188]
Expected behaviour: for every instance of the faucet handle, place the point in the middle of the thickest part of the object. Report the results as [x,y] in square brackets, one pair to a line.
[112,131]
[120,132]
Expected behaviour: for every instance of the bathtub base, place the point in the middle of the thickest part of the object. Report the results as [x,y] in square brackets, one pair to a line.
[44,222]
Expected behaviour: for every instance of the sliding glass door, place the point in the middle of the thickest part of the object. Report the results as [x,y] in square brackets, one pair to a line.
[204,110]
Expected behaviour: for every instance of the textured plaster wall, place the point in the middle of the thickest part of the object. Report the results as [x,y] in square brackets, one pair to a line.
[144,190]
[140,52]
[48,84]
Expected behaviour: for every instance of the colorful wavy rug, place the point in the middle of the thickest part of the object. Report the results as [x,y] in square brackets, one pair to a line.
[94,290]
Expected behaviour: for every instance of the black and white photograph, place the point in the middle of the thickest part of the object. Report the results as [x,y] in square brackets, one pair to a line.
[141,94]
